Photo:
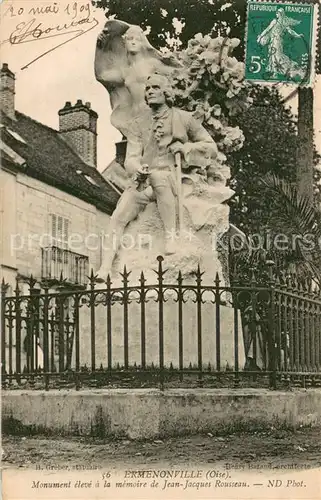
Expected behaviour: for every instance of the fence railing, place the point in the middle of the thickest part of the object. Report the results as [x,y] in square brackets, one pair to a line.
[186,333]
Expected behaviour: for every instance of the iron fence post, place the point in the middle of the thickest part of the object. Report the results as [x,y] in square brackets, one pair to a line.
[253,323]
[77,340]
[31,345]
[108,311]
[46,335]
[234,284]
[92,321]
[125,276]
[160,277]
[18,331]
[60,313]
[143,320]
[180,299]
[271,329]
[218,322]
[4,288]
[199,324]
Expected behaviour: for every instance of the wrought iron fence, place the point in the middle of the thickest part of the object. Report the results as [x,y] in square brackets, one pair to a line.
[186,333]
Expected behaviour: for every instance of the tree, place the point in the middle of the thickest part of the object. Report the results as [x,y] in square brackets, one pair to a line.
[269,148]
[304,157]
[293,237]
[159,17]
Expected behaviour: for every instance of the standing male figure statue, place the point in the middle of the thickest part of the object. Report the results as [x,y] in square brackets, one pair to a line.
[171,130]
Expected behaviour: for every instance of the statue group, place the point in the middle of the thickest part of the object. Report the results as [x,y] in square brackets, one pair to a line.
[174,199]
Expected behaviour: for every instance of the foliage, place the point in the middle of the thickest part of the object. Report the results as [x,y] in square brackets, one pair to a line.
[158,16]
[212,86]
[270,147]
[292,239]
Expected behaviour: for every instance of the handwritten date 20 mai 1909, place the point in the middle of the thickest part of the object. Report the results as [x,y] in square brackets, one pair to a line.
[30,30]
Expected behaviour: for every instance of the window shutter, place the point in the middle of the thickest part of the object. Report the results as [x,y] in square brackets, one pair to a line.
[54,226]
[59,230]
[66,230]
[59,226]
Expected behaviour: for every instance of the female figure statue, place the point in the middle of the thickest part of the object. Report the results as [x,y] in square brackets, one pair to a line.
[124,60]
[278,62]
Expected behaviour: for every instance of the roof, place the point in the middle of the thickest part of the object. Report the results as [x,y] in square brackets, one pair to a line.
[116,174]
[39,152]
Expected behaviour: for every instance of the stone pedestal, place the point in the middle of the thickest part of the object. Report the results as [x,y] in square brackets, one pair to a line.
[171,336]
[205,218]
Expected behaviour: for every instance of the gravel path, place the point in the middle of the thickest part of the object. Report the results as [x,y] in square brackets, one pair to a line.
[275,449]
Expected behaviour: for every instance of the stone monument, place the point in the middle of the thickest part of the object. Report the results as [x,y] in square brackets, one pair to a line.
[162,212]
[174,204]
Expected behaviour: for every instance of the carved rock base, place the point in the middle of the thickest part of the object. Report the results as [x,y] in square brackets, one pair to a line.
[205,219]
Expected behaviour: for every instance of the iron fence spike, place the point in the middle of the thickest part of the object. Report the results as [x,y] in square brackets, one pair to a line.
[253,277]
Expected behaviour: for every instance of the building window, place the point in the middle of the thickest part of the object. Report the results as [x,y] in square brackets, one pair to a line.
[59,230]
[58,260]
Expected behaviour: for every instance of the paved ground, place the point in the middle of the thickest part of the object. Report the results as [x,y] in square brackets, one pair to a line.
[278,448]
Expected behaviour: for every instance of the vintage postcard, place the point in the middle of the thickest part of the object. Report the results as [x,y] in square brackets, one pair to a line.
[160,249]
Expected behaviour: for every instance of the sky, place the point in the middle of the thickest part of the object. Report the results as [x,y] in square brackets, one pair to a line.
[67,73]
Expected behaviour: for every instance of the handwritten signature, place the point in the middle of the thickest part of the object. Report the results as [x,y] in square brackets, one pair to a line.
[32,31]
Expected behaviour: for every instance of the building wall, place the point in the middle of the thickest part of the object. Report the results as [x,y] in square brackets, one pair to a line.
[8,221]
[34,202]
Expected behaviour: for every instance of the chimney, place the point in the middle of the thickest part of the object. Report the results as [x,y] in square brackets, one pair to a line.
[78,127]
[7,91]
[121,148]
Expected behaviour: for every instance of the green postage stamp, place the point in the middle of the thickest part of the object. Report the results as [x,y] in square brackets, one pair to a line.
[281,42]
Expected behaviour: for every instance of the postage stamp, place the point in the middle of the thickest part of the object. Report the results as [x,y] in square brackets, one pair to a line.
[281,42]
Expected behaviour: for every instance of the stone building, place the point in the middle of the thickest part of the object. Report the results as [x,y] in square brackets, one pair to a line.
[115,171]
[55,205]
